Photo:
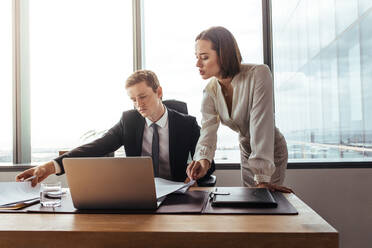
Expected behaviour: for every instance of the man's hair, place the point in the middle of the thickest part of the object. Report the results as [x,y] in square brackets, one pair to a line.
[224,43]
[146,76]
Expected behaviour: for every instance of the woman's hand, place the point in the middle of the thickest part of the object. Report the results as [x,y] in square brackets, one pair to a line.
[198,169]
[274,187]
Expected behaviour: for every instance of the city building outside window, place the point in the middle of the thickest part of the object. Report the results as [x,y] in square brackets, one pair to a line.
[322,71]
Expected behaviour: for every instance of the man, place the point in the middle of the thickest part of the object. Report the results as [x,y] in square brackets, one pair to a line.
[150,130]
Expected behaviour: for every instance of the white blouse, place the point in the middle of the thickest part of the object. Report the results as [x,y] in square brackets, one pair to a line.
[252,116]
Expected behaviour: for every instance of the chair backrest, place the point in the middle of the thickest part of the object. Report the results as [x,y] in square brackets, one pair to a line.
[176,105]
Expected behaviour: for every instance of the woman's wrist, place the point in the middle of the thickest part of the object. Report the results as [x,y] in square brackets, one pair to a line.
[205,163]
[261,183]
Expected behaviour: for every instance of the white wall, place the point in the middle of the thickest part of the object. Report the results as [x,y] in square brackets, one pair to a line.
[343,197]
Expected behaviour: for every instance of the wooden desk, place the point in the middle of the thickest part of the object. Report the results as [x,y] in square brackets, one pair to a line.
[307,229]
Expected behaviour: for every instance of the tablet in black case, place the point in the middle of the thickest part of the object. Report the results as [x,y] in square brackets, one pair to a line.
[243,197]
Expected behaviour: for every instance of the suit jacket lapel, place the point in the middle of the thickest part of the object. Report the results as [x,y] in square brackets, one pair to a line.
[139,134]
[172,140]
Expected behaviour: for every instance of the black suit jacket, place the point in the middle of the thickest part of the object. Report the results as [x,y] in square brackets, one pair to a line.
[184,133]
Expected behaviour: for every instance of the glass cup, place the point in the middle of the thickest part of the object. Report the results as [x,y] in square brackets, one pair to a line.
[50,194]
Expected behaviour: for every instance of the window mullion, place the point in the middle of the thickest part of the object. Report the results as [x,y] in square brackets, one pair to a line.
[21,85]
[267,34]
[267,37]
[137,34]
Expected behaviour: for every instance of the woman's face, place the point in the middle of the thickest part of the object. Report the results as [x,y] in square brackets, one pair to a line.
[207,59]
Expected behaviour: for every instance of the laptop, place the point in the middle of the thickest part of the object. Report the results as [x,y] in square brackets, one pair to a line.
[111,183]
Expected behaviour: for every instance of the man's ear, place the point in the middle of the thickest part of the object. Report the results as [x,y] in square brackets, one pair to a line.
[159,91]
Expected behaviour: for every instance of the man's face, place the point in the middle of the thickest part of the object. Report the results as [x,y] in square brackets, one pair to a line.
[147,102]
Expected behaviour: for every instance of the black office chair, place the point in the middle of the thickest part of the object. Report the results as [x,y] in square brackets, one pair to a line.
[181,107]
[177,105]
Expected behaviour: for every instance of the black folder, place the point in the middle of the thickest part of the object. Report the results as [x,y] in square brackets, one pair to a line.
[243,197]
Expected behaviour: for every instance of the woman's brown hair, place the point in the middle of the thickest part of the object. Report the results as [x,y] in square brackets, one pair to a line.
[224,43]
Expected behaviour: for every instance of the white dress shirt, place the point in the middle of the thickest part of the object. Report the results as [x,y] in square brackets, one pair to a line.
[164,165]
[163,130]
[252,117]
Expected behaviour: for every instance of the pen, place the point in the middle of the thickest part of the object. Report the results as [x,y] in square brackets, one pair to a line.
[20,205]
[29,179]
[214,193]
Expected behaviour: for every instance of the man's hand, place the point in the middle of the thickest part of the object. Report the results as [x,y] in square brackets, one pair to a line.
[274,187]
[40,172]
[197,169]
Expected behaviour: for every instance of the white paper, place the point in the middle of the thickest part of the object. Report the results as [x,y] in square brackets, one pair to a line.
[11,192]
[164,187]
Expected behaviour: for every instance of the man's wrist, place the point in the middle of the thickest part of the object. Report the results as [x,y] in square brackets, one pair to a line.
[50,167]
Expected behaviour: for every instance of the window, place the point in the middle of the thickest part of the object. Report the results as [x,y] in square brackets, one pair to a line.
[74,57]
[364,5]
[366,75]
[346,14]
[170,28]
[80,55]
[6,61]
[322,70]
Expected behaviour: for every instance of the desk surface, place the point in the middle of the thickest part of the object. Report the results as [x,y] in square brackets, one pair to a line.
[307,229]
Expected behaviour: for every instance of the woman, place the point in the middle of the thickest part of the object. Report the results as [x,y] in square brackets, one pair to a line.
[241,97]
